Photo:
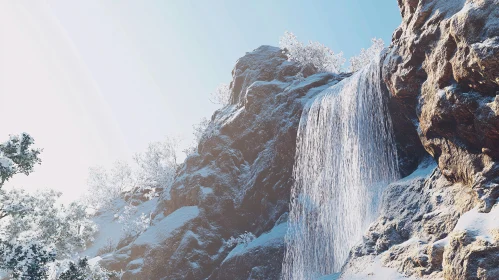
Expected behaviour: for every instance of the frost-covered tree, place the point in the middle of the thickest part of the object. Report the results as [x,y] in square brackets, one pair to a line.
[37,230]
[221,95]
[315,53]
[366,55]
[104,186]
[149,172]
[26,260]
[17,156]
[40,218]
[199,131]
[158,164]
[131,226]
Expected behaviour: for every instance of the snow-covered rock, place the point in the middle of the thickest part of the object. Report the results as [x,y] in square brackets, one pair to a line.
[237,181]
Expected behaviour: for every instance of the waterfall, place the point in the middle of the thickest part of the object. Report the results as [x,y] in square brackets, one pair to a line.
[345,157]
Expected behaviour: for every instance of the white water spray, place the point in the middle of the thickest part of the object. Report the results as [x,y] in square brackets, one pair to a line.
[345,156]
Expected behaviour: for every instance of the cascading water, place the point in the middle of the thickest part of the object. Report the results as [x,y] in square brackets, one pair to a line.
[345,156]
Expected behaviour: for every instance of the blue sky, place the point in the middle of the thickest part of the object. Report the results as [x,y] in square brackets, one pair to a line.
[107,77]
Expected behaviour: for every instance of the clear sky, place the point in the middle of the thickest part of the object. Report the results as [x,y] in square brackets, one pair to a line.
[94,81]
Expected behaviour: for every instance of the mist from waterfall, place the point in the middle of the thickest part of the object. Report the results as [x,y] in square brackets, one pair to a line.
[345,157]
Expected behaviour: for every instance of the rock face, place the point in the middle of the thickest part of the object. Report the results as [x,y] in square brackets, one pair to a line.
[239,181]
[418,213]
[443,66]
[442,70]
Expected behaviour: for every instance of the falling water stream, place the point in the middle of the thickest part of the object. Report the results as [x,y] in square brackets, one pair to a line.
[345,157]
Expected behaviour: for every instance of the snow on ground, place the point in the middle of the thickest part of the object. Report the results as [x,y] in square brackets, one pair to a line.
[370,269]
[158,232]
[274,237]
[481,225]
[110,228]
[424,170]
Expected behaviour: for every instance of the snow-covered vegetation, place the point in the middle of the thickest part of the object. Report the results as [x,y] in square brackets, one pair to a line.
[81,269]
[131,225]
[244,238]
[315,53]
[221,95]
[366,55]
[39,218]
[37,233]
[150,171]
[323,58]
[199,130]
[17,156]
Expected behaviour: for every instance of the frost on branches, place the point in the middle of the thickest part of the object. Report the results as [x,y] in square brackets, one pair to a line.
[39,218]
[17,156]
[315,53]
[104,186]
[200,131]
[150,172]
[365,56]
[158,164]
[36,230]
[133,226]
[221,95]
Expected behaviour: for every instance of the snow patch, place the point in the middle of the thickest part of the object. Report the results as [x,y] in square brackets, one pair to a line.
[272,238]
[109,227]
[159,232]
[206,191]
[481,225]
[424,171]
[371,269]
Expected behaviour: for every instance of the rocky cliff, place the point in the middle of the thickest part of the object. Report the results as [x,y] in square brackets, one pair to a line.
[238,181]
[442,76]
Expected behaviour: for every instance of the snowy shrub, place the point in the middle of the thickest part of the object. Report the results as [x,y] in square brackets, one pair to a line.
[315,53]
[365,56]
[17,156]
[221,95]
[244,239]
[131,226]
